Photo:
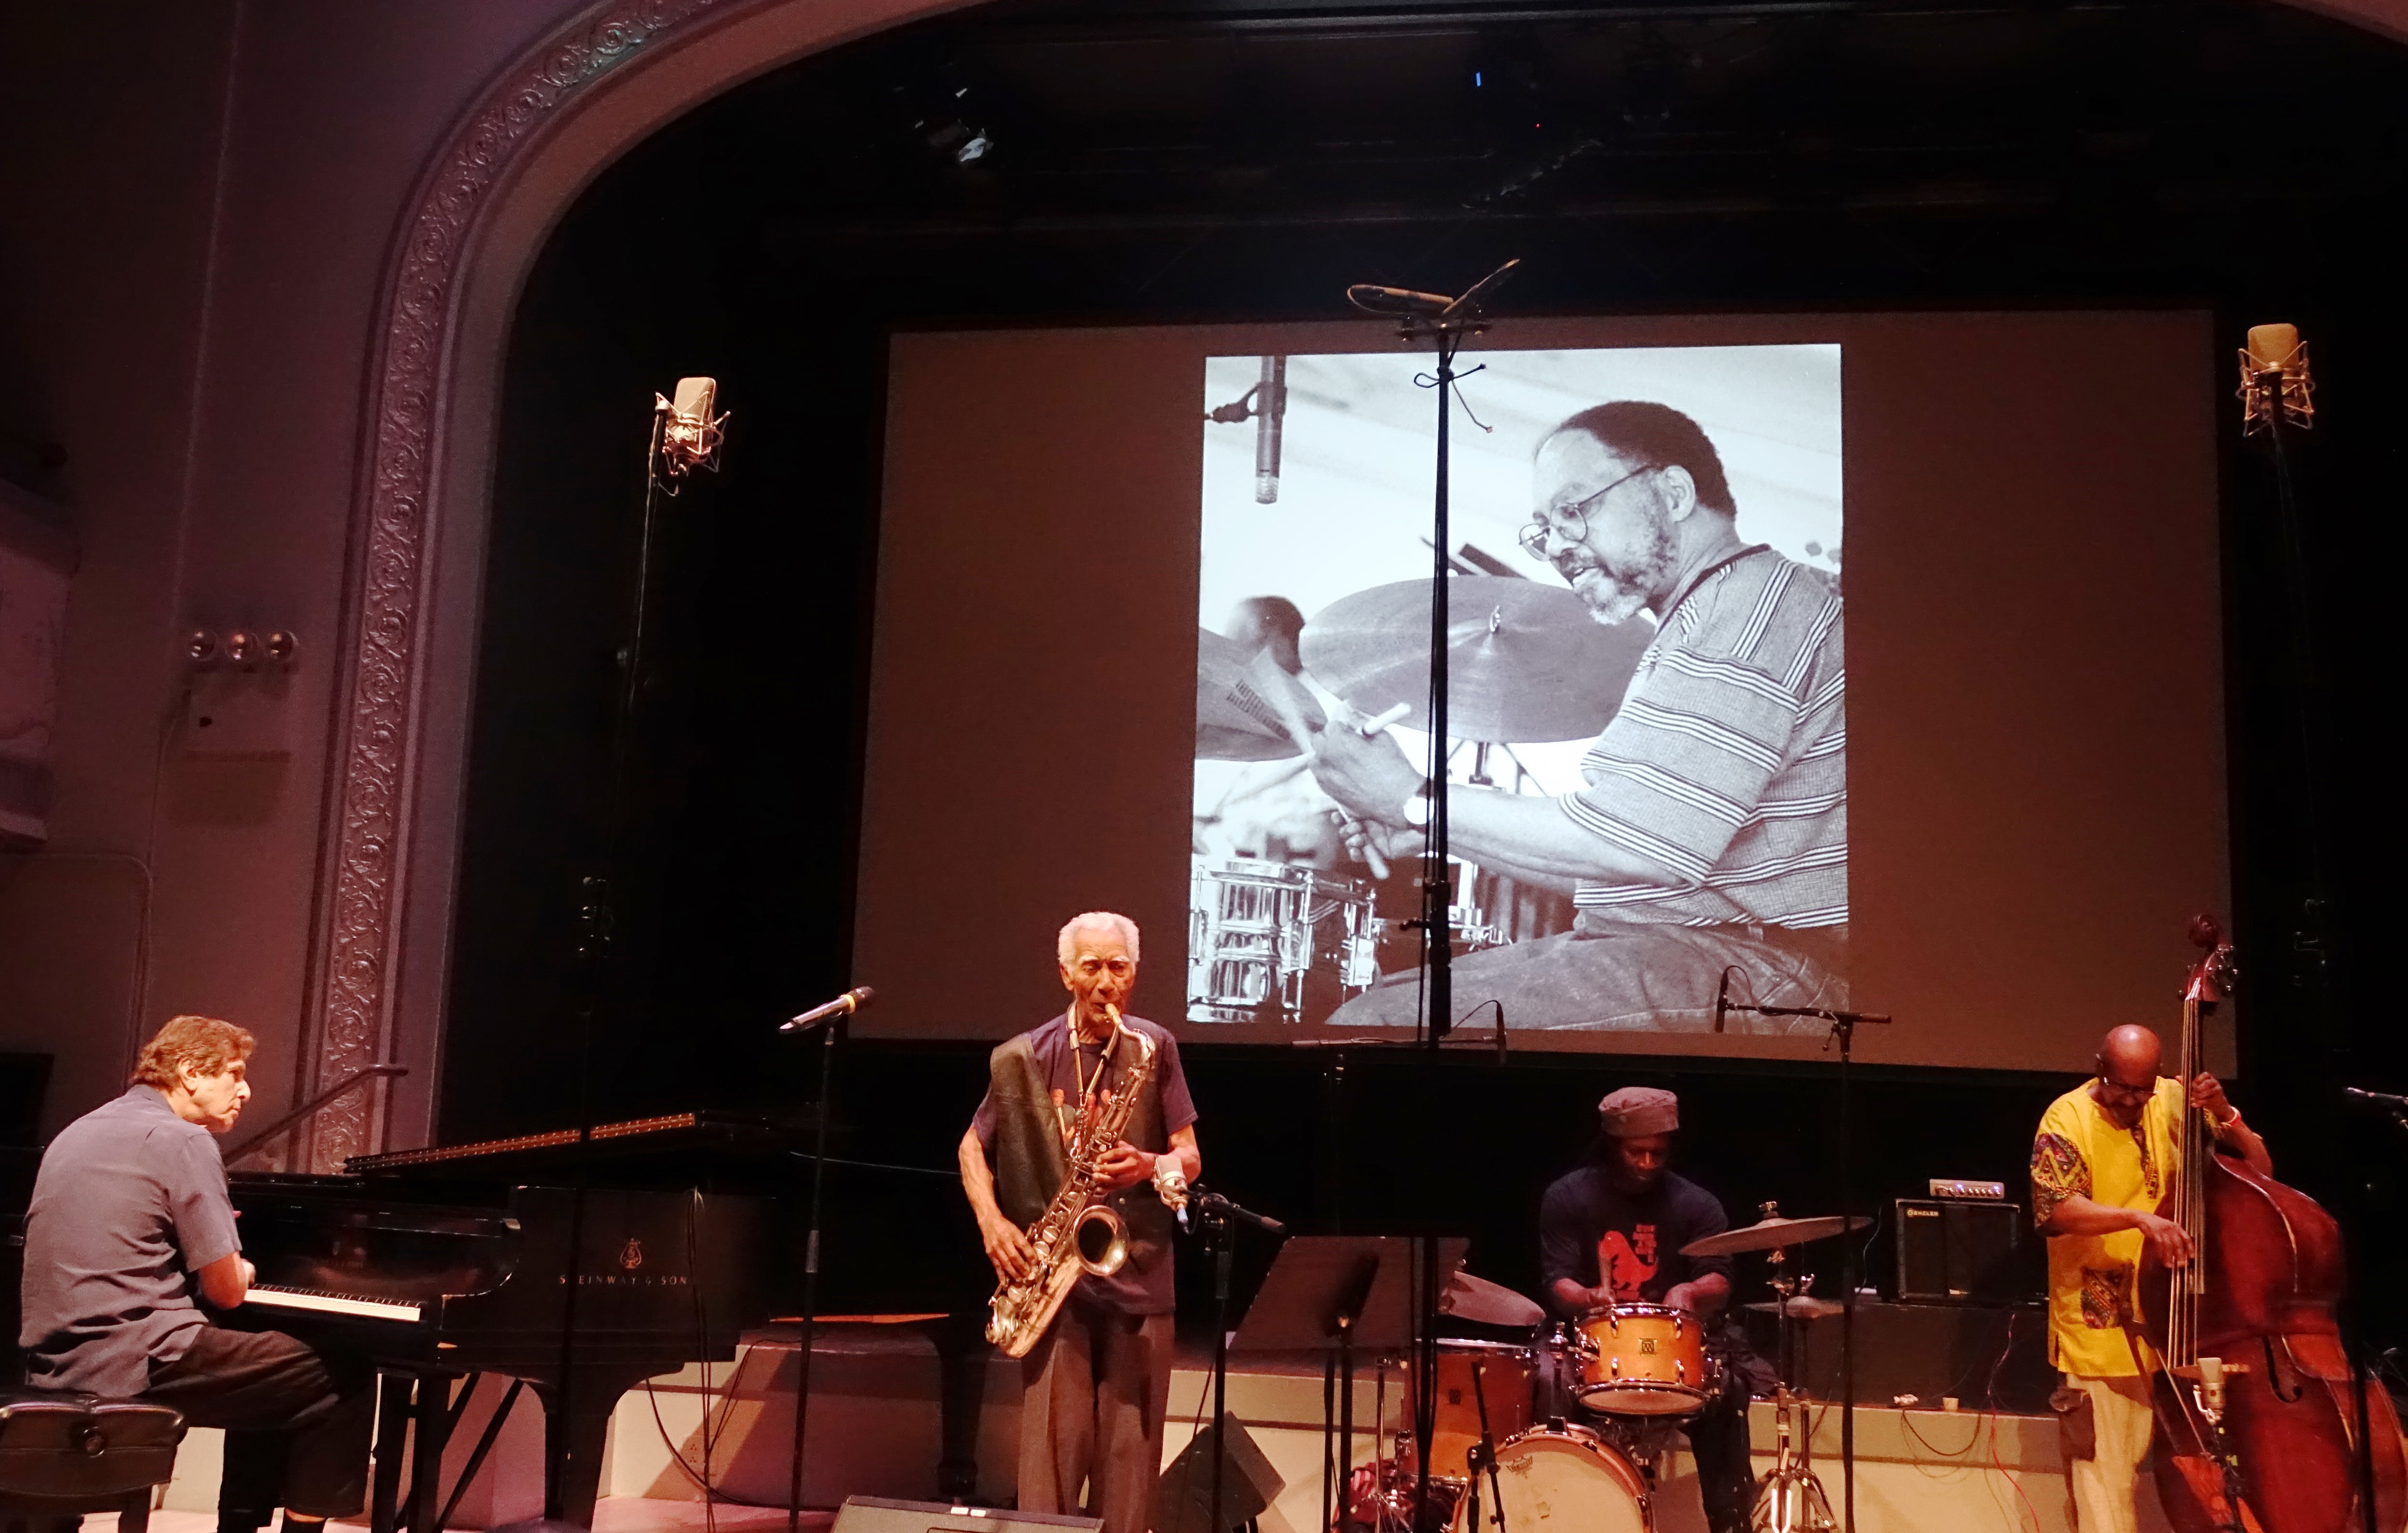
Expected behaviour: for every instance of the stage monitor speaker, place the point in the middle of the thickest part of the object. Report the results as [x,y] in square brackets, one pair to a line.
[874,1514]
[1959,1252]
[1183,1499]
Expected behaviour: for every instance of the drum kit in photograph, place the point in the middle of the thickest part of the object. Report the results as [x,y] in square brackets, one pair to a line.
[1274,939]
[1633,1372]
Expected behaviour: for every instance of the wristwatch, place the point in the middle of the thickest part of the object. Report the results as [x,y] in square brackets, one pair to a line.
[1417,808]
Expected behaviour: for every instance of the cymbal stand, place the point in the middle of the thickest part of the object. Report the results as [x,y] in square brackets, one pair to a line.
[1844,1033]
[1791,1499]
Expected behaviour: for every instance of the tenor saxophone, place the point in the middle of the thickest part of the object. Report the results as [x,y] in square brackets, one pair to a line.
[1075,1234]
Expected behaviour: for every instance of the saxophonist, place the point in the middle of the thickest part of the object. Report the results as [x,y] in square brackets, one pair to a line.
[1094,1390]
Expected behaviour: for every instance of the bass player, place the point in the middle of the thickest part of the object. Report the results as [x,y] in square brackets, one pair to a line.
[2104,1156]
[1094,1390]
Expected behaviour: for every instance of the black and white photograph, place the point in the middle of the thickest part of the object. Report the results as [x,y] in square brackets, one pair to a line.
[1646,767]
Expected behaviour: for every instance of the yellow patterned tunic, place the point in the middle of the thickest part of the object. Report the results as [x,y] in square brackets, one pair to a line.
[2080,1150]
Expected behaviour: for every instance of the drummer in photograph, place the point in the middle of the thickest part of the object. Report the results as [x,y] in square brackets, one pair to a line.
[1611,1233]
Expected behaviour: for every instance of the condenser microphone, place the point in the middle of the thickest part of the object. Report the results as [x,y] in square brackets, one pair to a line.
[1721,997]
[690,434]
[1270,420]
[843,1005]
[2379,1098]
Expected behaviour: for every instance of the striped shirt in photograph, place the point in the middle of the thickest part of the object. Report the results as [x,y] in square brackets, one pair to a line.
[1727,762]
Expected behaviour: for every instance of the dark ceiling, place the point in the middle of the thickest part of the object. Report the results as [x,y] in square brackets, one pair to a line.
[1791,152]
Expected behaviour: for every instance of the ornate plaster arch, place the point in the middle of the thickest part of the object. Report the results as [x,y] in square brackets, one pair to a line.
[541,131]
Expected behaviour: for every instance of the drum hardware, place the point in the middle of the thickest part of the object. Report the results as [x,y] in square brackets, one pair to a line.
[1790,1498]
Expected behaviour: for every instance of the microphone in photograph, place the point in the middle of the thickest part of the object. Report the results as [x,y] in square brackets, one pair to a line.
[2378,1098]
[1722,998]
[1270,419]
[690,434]
[843,1005]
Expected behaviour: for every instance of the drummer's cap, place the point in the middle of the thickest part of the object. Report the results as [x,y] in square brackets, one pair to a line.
[1634,1111]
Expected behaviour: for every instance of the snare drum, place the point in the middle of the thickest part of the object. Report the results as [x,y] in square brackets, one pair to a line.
[1643,1360]
[1509,1380]
[1266,937]
[1563,1478]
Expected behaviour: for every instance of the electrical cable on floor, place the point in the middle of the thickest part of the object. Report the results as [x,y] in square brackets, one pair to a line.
[1991,1389]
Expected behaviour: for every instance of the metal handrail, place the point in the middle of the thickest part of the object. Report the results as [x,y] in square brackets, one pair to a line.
[310,1107]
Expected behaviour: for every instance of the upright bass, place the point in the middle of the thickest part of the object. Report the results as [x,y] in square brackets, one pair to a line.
[2262,1427]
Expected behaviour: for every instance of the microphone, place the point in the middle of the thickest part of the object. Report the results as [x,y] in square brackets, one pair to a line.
[1213,1204]
[689,432]
[1270,419]
[1374,299]
[2379,1098]
[2275,385]
[843,1005]
[1721,997]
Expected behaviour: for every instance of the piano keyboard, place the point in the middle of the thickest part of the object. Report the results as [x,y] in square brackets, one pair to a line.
[335,1304]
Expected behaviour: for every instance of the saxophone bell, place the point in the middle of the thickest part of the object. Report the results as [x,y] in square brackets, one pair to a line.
[1101,1241]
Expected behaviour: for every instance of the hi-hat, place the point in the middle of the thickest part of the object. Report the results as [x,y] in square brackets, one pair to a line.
[1468,1297]
[1525,663]
[1775,1235]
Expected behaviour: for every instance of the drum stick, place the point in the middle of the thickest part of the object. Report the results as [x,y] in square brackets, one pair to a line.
[1372,727]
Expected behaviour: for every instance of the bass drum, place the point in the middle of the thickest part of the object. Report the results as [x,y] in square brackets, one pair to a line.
[1561,1480]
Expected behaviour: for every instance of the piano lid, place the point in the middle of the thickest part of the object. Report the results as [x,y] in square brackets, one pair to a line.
[669,1142]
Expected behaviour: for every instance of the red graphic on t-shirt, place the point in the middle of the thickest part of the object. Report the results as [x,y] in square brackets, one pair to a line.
[1626,1264]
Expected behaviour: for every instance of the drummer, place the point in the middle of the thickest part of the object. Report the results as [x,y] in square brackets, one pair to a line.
[1611,1233]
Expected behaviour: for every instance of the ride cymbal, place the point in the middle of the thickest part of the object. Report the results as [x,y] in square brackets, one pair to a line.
[1773,1234]
[1525,663]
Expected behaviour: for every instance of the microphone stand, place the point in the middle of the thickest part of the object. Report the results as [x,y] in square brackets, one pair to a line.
[828,1027]
[1844,1033]
[1216,1215]
[1446,323]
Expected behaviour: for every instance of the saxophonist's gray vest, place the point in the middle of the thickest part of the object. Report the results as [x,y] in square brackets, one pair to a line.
[1030,1163]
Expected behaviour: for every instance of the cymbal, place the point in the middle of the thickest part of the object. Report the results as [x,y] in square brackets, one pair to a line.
[1525,663]
[1234,721]
[1801,1307]
[1774,1234]
[1468,1297]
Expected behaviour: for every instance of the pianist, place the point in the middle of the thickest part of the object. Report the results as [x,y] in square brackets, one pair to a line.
[130,1235]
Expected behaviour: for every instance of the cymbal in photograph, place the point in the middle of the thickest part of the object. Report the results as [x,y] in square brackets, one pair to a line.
[1234,721]
[1468,1297]
[1775,1234]
[1525,663]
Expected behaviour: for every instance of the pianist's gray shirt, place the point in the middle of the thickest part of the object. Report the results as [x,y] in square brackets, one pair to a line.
[131,1201]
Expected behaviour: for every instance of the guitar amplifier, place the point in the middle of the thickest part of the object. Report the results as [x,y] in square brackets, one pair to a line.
[1954,1252]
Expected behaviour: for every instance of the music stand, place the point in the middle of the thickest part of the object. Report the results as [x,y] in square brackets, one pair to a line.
[1333,1294]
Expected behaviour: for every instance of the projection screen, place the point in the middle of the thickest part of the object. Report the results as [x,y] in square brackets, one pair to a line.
[1862,661]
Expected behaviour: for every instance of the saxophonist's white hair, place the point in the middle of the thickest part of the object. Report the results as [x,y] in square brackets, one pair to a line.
[1066,945]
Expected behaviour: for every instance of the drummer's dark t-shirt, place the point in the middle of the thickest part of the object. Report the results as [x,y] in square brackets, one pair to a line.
[1588,1226]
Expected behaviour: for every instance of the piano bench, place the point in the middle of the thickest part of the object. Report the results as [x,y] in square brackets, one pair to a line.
[64,1454]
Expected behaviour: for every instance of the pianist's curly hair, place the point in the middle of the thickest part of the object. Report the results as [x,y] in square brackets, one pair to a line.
[205,1044]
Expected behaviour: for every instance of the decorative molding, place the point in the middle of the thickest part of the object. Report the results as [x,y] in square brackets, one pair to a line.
[367,823]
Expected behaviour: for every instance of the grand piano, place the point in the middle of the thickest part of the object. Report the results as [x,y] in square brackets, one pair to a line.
[556,1260]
